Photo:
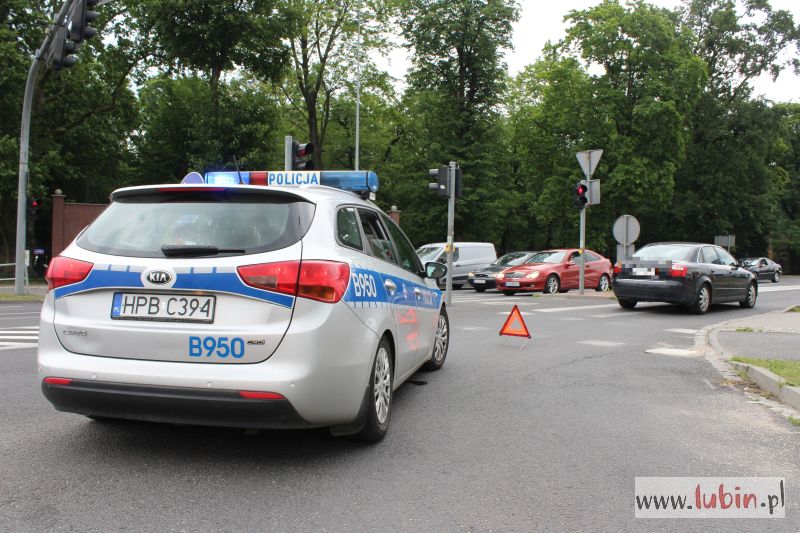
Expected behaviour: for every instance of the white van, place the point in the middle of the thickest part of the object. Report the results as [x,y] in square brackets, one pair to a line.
[468,256]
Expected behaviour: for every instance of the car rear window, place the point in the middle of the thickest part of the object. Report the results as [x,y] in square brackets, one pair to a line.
[232,222]
[663,252]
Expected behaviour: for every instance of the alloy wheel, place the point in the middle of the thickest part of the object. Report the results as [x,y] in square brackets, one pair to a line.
[382,386]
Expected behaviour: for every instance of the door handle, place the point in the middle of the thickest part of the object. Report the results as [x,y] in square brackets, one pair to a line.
[390,286]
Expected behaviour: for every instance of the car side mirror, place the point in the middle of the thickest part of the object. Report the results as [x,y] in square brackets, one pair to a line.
[435,270]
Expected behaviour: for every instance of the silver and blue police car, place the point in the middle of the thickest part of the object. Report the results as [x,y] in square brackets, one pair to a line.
[251,299]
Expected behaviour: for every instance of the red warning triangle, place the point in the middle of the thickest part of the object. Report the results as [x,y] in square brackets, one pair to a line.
[515,325]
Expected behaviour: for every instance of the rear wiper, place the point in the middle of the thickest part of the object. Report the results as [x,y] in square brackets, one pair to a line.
[177,250]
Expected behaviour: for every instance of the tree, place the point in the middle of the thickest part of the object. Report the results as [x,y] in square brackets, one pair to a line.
[325,53]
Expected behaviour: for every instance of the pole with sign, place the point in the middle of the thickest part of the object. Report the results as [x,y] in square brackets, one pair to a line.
[451,215]
[588,160]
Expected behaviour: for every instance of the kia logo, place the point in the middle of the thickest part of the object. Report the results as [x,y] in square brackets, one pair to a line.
[159,277]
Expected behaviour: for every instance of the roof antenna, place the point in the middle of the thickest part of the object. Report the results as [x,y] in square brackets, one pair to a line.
[236,163]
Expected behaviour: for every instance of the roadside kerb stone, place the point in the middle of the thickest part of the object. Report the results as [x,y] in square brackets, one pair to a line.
[707,341]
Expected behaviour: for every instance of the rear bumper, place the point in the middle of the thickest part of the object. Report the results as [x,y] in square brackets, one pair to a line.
[655,290]
[172,404]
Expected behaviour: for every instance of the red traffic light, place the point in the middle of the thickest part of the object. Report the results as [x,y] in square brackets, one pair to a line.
[581,189]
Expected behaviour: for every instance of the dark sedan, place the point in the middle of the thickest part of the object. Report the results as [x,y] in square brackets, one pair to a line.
[763,268]
[486,277]
[692,274]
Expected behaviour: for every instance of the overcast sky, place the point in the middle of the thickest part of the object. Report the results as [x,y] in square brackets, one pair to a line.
[542,20]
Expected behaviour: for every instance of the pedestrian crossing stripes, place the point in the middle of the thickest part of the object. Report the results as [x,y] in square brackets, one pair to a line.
[19,337]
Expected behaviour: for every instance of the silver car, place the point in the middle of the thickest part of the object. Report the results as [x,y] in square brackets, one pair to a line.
[241,305]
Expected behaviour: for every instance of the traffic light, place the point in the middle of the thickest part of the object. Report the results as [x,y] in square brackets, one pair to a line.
[33,206]
[581,195]
[78,19]
[299,154]
[61,50]
[441,185]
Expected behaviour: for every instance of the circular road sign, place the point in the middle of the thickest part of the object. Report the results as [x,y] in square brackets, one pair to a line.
[626,229]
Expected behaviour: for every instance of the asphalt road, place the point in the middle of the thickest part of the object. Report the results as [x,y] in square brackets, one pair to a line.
[512,435]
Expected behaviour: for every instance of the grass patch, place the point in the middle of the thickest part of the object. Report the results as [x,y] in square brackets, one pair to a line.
[744,330]
[788,370]
[794,421]
[23,298]
[795,309]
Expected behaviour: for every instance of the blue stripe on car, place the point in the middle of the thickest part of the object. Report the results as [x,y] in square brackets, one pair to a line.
[404,294]
[228,282]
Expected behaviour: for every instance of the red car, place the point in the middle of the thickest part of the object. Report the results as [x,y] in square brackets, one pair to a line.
[555,271]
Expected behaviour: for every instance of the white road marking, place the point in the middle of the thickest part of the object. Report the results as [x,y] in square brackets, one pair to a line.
[10,314]
[525,313]
[17,337]
[574,308]
[612,315]
[472,328]
[571,318]
[17,345]
[680,352]
[761,288]
[711,385]
[686,331]
[604,344]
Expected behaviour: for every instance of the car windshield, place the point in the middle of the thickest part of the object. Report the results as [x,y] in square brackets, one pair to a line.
[664,252]
[750,261]
[512,259]
[191,224]
[428,253]
[547,257]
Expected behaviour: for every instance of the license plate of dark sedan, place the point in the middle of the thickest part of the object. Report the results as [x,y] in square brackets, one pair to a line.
[163,307]
[638,271]
[479,281]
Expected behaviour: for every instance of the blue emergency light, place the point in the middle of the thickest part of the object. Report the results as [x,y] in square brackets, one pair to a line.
[360,181]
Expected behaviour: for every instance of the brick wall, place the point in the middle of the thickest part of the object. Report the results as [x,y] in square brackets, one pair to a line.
[69,219]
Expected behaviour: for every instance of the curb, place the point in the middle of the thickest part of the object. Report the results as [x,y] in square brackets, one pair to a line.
[707,341]
[772,383]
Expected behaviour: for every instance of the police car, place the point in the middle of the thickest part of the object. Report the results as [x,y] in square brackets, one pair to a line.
[244,299]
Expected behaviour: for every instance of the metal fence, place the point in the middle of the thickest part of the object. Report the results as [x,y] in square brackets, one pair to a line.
[12,278]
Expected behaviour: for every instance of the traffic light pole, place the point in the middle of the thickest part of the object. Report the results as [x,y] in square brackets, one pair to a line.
[451,215]
[24,147]
[288,147]
[582,248]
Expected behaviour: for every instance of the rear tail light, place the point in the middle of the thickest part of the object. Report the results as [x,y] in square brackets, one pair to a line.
[324,281]
[617,268]
[678,270]
[258,395]
[57,381]
[66,271]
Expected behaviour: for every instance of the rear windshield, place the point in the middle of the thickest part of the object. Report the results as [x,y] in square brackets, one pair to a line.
[201,223]
[664,252]
[512,259]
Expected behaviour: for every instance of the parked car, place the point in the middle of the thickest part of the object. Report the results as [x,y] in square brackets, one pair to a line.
[467,257]
[763,268]
[486,278]
[555,271]
[692,274]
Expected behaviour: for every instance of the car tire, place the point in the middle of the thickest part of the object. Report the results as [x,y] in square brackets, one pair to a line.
[702,301]
[603,284]
[552,284]
[440,343]
[509,293]
[776,277]
[479,289]
[626,304]
[750,297]
[380,395]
